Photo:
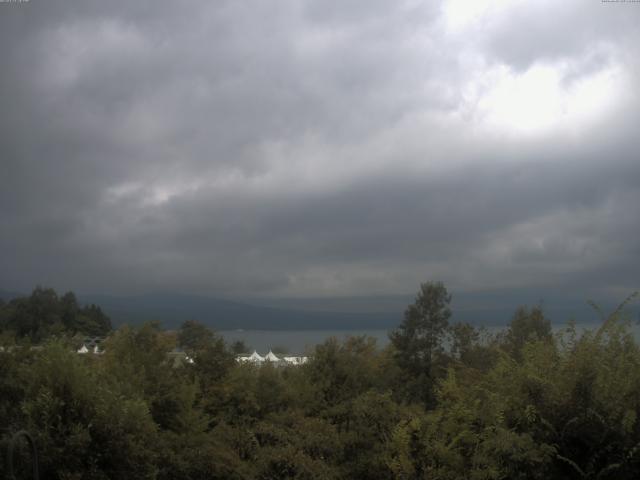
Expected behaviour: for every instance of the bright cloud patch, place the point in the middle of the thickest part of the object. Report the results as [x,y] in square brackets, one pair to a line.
[541,99]
[463,14]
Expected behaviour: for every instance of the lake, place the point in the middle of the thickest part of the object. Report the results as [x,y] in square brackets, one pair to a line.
[301,341]
[295,341]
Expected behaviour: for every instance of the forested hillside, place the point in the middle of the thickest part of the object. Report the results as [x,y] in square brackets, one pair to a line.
[44,314]
[444,400]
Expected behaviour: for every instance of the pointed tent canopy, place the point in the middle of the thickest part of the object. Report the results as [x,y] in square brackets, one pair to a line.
[271,357]
[83,349]
[255,357]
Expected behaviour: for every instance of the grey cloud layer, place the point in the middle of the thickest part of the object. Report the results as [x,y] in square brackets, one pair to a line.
[295,148]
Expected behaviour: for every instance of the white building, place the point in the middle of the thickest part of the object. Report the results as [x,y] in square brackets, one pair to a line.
[296,360]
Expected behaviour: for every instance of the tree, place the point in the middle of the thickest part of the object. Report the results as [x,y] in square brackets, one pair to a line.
[85,425]
[526,326]
[69,311]
[239,346]
[137,358]
[43,314]
[194,335]
[36,316]
[418,339]
[92,321]
[212,362]
[340,371]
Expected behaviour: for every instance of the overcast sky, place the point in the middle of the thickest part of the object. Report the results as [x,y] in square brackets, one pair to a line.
[311,148]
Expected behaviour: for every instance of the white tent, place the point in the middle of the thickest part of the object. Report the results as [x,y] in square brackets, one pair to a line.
[83,349]
[270,357]
[255,357]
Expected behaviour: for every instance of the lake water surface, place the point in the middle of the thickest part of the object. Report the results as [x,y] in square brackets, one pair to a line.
[303,341]
[295,341]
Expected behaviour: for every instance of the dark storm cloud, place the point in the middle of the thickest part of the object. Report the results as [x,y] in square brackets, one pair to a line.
[297,148]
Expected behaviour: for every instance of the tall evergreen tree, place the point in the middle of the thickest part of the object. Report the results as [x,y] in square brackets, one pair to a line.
[418,339]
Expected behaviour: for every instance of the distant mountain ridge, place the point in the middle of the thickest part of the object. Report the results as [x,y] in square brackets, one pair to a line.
[173,309]
[349,313]
[344,313]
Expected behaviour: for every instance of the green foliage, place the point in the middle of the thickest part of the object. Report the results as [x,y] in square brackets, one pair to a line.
[239,346]
[472,348]
[137,358]
[342,371]
[194,336]
[526,326]
[296,447]
[199,456]
[526,404]
[44,314]
[418,341]
[83,429]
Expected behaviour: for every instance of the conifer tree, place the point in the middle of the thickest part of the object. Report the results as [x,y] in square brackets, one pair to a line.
[418,339]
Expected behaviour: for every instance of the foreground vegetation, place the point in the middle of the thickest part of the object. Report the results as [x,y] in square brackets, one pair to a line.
[442,401]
